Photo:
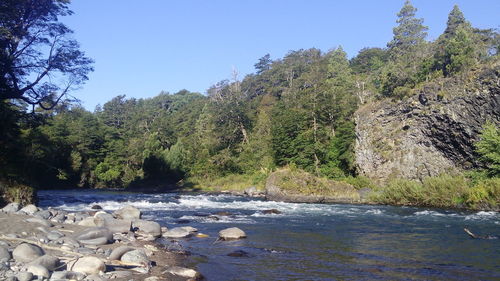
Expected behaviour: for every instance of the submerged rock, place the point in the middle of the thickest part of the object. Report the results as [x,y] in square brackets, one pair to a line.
[271,211]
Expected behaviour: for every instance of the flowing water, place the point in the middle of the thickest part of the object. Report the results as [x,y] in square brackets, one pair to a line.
[314,241]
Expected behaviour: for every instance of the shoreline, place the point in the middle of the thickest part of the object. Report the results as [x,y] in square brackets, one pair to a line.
[57,235]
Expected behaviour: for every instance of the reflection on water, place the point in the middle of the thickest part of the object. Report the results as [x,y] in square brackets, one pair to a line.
[316,242]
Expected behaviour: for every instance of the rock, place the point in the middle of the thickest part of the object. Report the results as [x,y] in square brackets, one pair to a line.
[38,270]
[114,225]
[152,278]
[90,222]
[136,257]
[24,276]
[27,252]
[231,233]
[87,265]
[86,251]
[183,272]
[93,277]
[11,208]
[54,235]
[40,221]
[47,261]
[223,214]
[182,221]
[43,214]
[59,218]
[118,252]
[128,213]
[252,192]
[189,228]
[118,274]
[4,254]
[147,228]
[68,241]
[271,211]
[104,215]
[413,139]
[95,236]
[239,254]
[96,207]
[177,232]
[29,209]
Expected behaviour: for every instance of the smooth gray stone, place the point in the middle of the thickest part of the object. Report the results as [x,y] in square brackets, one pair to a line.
[85,251]
[114,225]
[43,222]
[118,252]
[128,213]
[69,242]
[24,276]
[11,278]
[27,252]
[87,265]
[4,254]
[136,256]
[38,270]
[182,271]
[152,278]
[11,208]
[54,235]
[90,222]
[95,236]
[29,209]
[43,214]
[177,232]
[189,228]
[147,227]
[47,261]
[95,277]
[104,215]
[231,233]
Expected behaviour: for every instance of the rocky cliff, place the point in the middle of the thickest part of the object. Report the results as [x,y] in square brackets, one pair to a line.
[429,133]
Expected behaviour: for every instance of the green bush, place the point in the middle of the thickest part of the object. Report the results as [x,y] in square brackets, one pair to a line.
[484,195]
[15,192]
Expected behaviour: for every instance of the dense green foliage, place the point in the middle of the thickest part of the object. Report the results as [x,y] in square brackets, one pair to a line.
[294,111]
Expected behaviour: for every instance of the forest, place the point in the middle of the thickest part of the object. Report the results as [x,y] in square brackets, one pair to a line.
[296,111]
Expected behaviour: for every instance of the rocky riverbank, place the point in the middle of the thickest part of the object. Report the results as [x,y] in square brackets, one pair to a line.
[50,244]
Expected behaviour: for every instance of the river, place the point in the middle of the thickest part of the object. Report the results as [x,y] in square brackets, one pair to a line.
[314,241]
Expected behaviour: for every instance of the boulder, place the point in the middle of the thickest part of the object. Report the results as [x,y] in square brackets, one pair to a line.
[231,233]
[147,228]
[135,257]
[4,254]
[183,272]
[189,228]
[54,235]
[29,209]
[95,236]
[89,222]
[38,270]
[40,221]
[114,225]
[251,191]
[47,261]
[96,207]
[118,252]
[103,215]
[87,265]
[177,232]
[24,276]
[11,208]
[27,252]
[128,213]
[271,211]
[43,214]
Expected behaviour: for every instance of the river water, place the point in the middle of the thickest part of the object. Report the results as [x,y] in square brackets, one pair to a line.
[314,241]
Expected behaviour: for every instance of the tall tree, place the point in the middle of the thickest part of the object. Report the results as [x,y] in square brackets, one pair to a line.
[34,47]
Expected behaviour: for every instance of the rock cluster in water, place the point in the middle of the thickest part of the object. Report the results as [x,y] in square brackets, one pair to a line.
[50,244]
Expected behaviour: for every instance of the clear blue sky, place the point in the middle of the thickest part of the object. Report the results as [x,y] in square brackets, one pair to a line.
[143,47]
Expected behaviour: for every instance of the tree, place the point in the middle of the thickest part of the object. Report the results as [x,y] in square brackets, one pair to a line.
[35,47]
[263,64]
[489,148]
[455,19]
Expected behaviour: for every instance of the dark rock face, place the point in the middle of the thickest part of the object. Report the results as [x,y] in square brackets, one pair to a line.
[428,134]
